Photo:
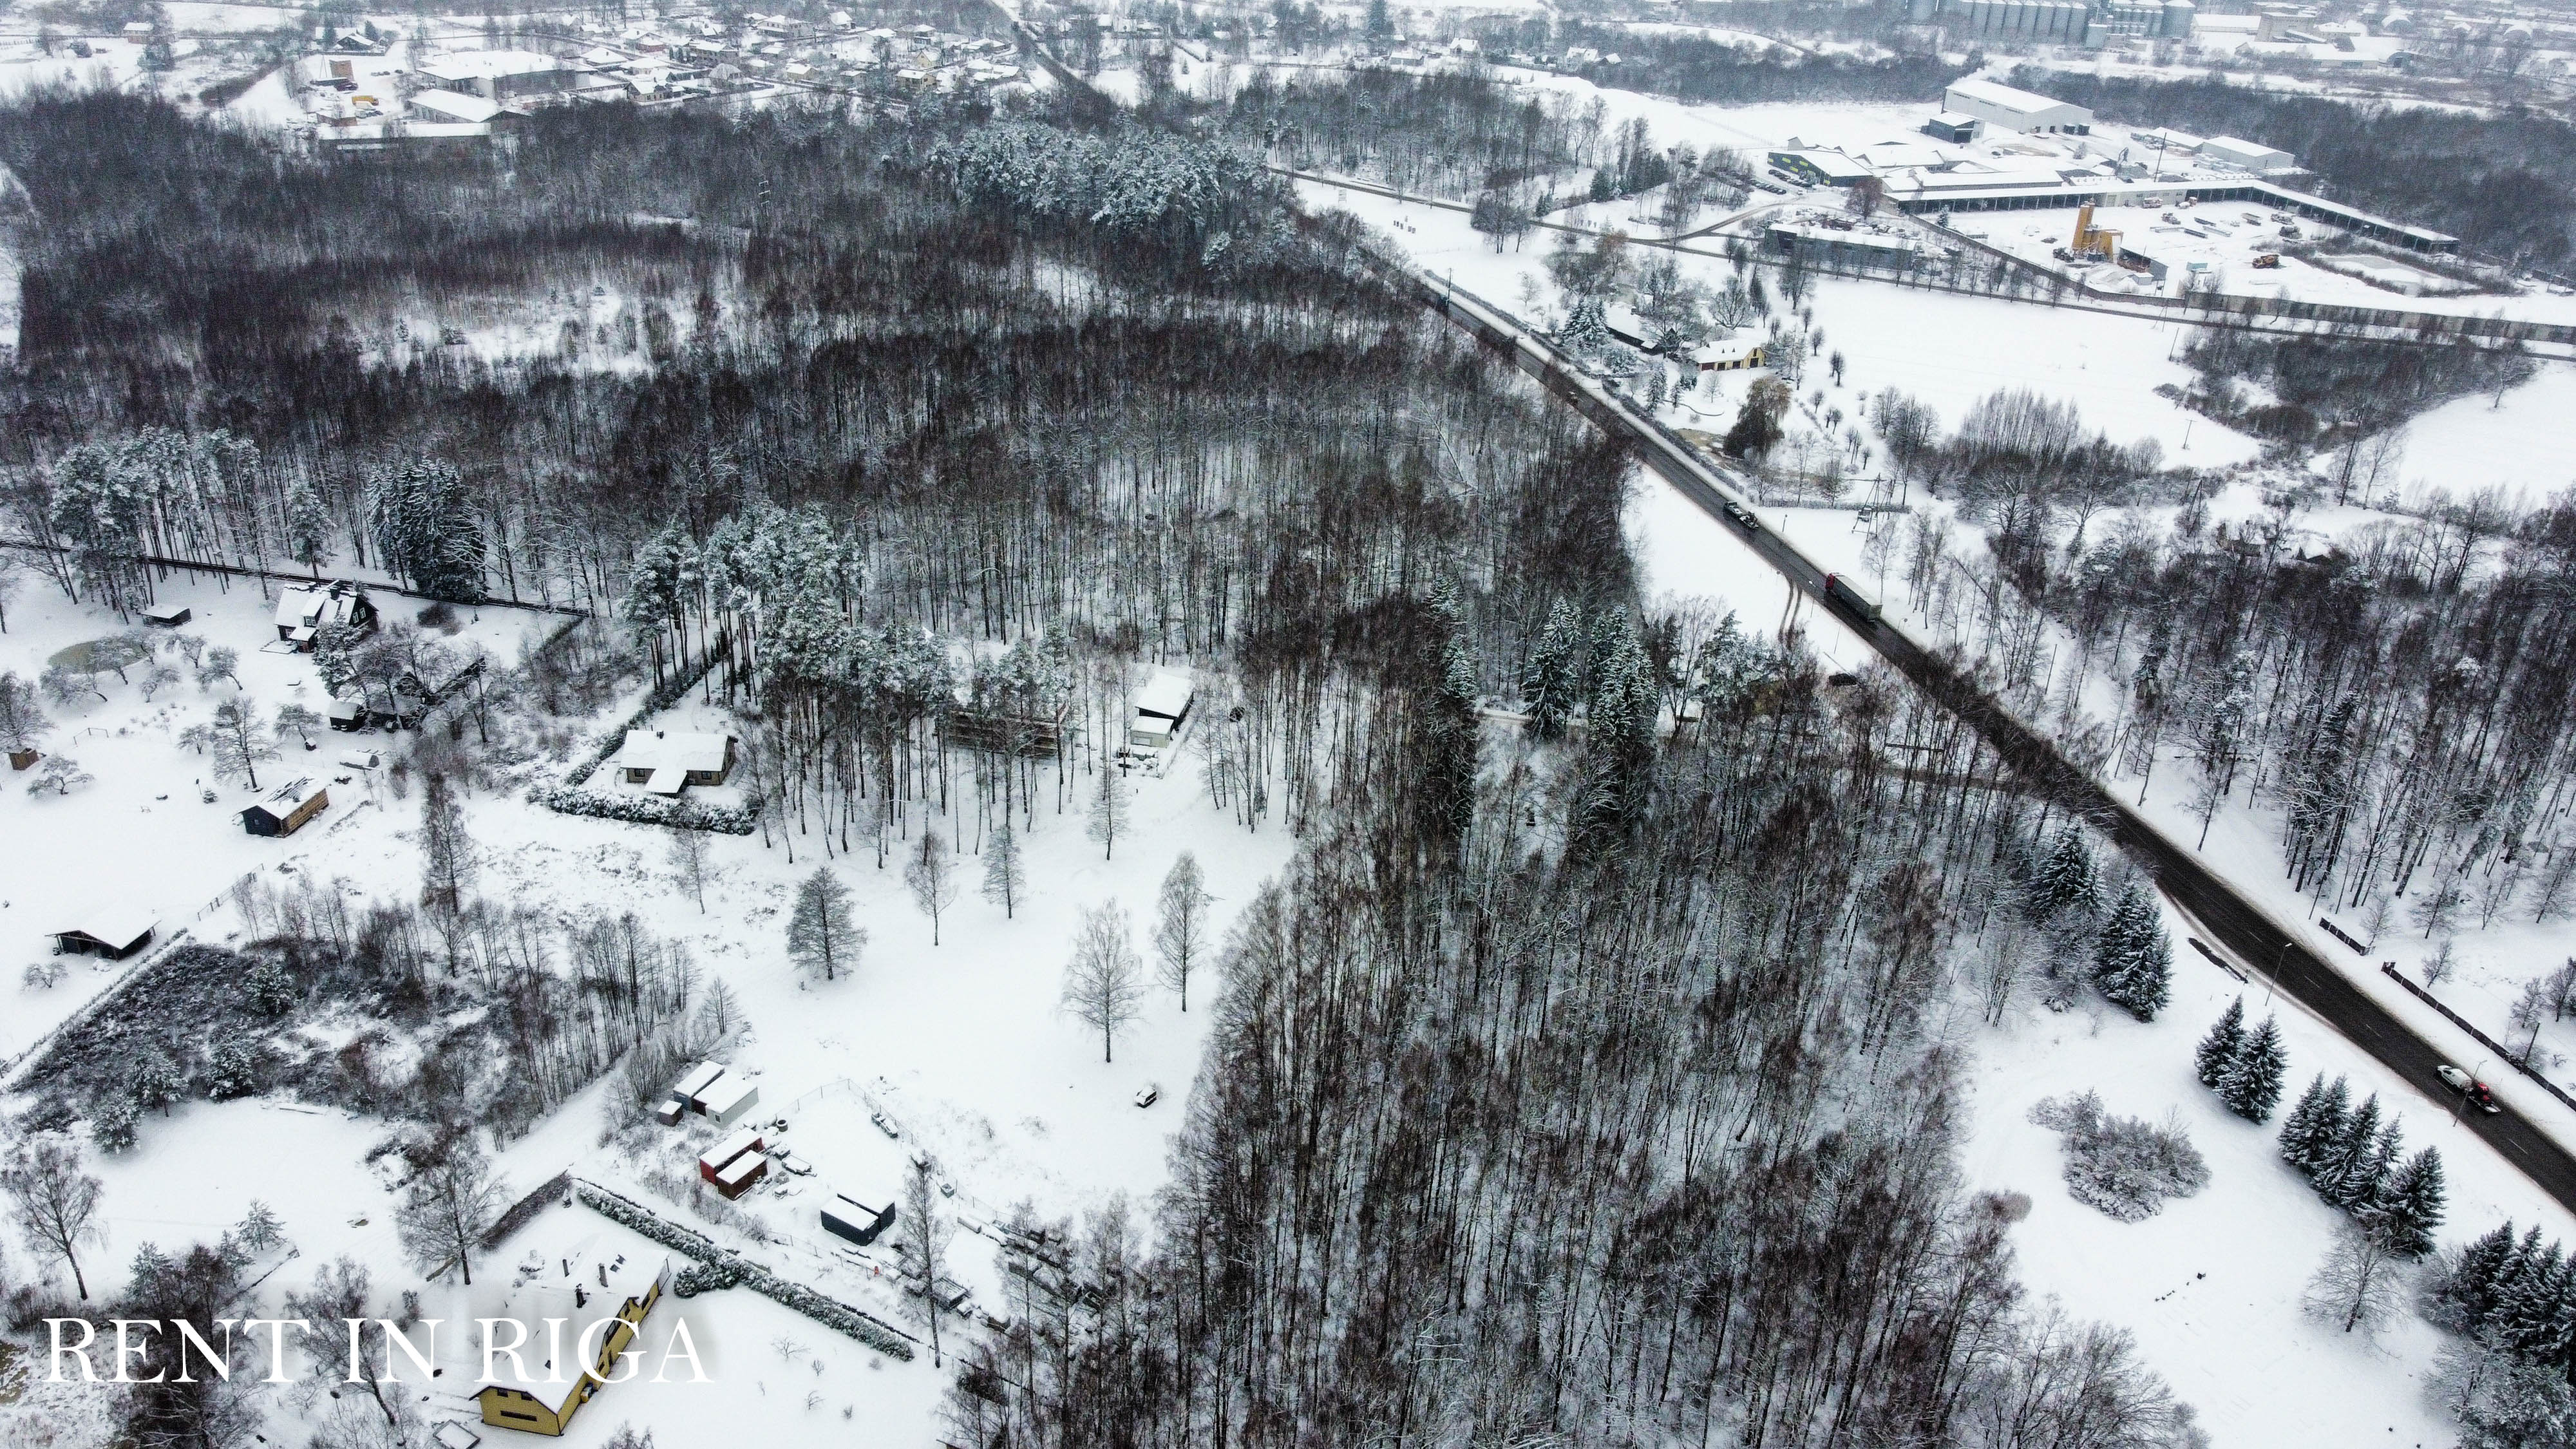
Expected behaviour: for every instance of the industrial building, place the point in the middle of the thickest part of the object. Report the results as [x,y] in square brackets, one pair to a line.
[2252,156]
[1820,168]
[2089,23]
[2024,112]
[1832,242]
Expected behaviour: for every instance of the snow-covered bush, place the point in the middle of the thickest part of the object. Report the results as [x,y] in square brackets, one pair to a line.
[111,1123]
[680,814]
[2123,1165]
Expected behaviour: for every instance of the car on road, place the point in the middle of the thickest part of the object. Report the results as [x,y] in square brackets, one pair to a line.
[1741,514]
[2469,1087]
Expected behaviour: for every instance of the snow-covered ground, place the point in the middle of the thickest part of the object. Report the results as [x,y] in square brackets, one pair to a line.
[1947,349]
[140,838]
[963,1043]
[2211,1286]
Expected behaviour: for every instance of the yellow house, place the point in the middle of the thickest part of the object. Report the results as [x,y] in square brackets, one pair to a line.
[582,1289]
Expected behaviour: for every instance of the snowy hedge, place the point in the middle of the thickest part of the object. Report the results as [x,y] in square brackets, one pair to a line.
[524,1210]
[715,1268]
[680,813]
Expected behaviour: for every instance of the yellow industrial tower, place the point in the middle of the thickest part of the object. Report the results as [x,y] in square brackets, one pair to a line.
[2094,241]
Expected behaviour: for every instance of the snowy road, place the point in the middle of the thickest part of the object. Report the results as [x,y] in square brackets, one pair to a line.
[2234,920]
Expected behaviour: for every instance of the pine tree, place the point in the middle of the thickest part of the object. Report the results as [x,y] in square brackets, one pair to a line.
[232,1070]
[2364,1188]
[271,990]
[2252,1085]
[2132,960]
[446,849]
[1619,755]
[2345,1167]
[308,527]
[2065,880]
[261,1229]
[1550,675]
[2218,1049]
[2314,1125]
[2467,1294]
[1455,731]
[156,1082]
[2411,1207]
[2533,1317]
[111,1123]
[1003,877]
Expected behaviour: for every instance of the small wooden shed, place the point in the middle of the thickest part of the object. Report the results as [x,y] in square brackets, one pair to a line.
[285,812]
[167,616]
[114,933]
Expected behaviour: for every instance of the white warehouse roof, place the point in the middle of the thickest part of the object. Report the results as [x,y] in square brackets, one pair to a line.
[469,65]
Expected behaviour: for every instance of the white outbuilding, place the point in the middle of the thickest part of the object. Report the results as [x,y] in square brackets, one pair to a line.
[2008,109]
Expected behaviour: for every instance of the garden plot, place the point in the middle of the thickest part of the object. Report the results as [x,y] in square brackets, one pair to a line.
[140,837]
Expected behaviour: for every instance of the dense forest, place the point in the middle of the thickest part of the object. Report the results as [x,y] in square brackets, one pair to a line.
[1581,1082]
[2505,183]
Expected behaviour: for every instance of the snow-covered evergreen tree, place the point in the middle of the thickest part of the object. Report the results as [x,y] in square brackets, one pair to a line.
[2411,1206]
[2132,960]
[2343,1173]
[261,1229]
[1551,675]
[426,529]
[2218,1049]
[232,1070]
[271,990]
[2309,1133]
[308,526]
[2065,880]
[2251,1087]
[155,1081]
[111,1123]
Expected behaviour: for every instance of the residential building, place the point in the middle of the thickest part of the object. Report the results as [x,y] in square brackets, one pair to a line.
[667,761]
[586,1286]
[285,812]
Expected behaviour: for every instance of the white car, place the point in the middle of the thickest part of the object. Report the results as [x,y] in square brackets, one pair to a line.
[1149,1096]
[2469,1087]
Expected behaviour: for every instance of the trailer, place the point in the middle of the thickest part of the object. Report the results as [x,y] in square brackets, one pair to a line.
[1847,591]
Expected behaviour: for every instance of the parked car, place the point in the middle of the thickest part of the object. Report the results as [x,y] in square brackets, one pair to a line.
[1149,1095]
[885,1125]
[2469,1087]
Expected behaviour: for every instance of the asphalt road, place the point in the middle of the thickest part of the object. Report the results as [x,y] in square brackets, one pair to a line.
[2232,921]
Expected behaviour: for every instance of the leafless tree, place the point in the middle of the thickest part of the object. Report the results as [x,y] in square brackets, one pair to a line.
[451,1202]
[925,1244]
[1102,984]
[57,1203]
[931,875]
[1181,926]
[2358,1285]
[687,852]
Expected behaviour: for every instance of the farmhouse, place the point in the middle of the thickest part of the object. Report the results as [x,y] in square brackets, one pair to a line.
[285,812]
[114,932]
[1728,354]
[666,761]
[582,1287]
[1160,707]
[304,611]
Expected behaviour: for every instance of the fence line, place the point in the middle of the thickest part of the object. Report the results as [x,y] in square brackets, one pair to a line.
[2389,969]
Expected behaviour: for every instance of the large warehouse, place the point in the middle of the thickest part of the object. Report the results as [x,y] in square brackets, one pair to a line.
[2007,109]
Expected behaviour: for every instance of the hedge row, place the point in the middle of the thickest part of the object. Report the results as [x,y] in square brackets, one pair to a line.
[717,1268]
[523,1210]
[678,812]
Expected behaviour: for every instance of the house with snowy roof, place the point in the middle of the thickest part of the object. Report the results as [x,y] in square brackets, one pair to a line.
[588,1285]
[665,762]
